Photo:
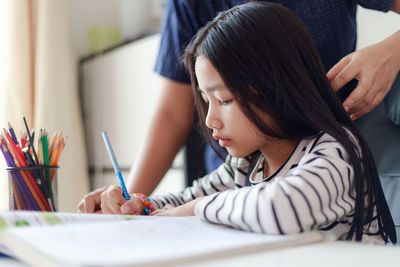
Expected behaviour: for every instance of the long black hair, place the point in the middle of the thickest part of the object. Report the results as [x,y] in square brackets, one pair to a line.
[268,60]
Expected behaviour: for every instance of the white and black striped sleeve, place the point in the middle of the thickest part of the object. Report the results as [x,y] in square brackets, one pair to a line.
[314,194]
[229,175]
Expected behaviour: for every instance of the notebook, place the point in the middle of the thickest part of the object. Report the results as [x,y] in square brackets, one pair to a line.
[113,240]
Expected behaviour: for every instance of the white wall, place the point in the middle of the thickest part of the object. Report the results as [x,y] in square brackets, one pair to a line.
[120,93]
[132,17]
[374,26]
[137,16]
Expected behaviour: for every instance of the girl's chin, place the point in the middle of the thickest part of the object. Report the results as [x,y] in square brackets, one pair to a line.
[237,154]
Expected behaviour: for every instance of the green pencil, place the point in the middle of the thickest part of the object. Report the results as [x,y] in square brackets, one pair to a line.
[46,159]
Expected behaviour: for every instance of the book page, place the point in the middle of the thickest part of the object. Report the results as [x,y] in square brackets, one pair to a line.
[147,240]
[37,218]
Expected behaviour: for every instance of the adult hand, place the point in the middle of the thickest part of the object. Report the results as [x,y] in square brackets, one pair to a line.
[375,67]
[182,210]
[91,202]
[113,201]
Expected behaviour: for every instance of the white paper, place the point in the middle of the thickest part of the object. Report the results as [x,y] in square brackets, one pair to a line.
[149,239]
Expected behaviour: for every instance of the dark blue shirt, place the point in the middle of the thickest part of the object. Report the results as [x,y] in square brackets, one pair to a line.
[331,23]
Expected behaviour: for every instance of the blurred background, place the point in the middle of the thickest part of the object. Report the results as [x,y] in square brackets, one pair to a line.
[83,66]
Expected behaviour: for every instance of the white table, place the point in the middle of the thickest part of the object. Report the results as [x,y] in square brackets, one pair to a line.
[327,254]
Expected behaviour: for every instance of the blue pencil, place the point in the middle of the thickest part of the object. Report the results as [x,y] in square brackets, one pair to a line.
[115,164]
[12,133]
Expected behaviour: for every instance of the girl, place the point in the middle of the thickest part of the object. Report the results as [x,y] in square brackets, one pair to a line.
[297,163]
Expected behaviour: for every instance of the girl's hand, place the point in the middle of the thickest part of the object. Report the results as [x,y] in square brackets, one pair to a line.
[113,201]
[91,203]
[182,210]
[375,67]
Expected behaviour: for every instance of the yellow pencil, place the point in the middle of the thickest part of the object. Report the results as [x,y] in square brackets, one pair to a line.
[40,150]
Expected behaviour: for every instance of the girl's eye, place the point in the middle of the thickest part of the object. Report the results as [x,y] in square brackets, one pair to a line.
[225,102]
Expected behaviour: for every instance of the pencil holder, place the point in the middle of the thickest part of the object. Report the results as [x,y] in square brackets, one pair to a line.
[33,188]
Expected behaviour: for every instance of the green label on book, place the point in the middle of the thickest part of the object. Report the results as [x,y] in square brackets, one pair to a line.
[51,218]
[128,217]
[3,224]
[21,222]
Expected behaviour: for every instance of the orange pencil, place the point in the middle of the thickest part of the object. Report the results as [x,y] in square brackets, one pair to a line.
[52,143]
[40,151]
[60,149]
[54,154]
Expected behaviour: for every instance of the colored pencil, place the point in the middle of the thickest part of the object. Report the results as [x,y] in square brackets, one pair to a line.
[30,173]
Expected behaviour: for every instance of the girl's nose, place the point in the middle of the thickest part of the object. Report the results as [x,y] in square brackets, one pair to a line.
[212,120]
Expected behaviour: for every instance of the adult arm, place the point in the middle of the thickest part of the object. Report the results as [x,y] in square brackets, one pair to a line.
[375,67]
[165,136]
[396,6]
[167,133]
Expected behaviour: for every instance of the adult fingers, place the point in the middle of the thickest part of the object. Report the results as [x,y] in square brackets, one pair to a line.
[345,75]
[378,98]
[362,96]
[366,99]
[338,67]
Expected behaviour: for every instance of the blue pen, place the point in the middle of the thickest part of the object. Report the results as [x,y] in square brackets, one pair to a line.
[115,164]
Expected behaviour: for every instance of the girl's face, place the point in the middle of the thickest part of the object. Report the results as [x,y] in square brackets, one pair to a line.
[230,127]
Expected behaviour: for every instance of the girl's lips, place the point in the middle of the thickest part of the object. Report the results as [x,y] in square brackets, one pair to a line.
[223,142]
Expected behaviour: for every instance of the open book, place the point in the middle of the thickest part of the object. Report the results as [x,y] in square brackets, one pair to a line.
[113,240]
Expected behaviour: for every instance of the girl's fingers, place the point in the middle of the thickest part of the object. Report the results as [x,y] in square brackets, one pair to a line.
[132,206]
[168,207]
[90,202]
[112,199]
[163,211]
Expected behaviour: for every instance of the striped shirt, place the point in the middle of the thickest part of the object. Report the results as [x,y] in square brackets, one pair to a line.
[312,190]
